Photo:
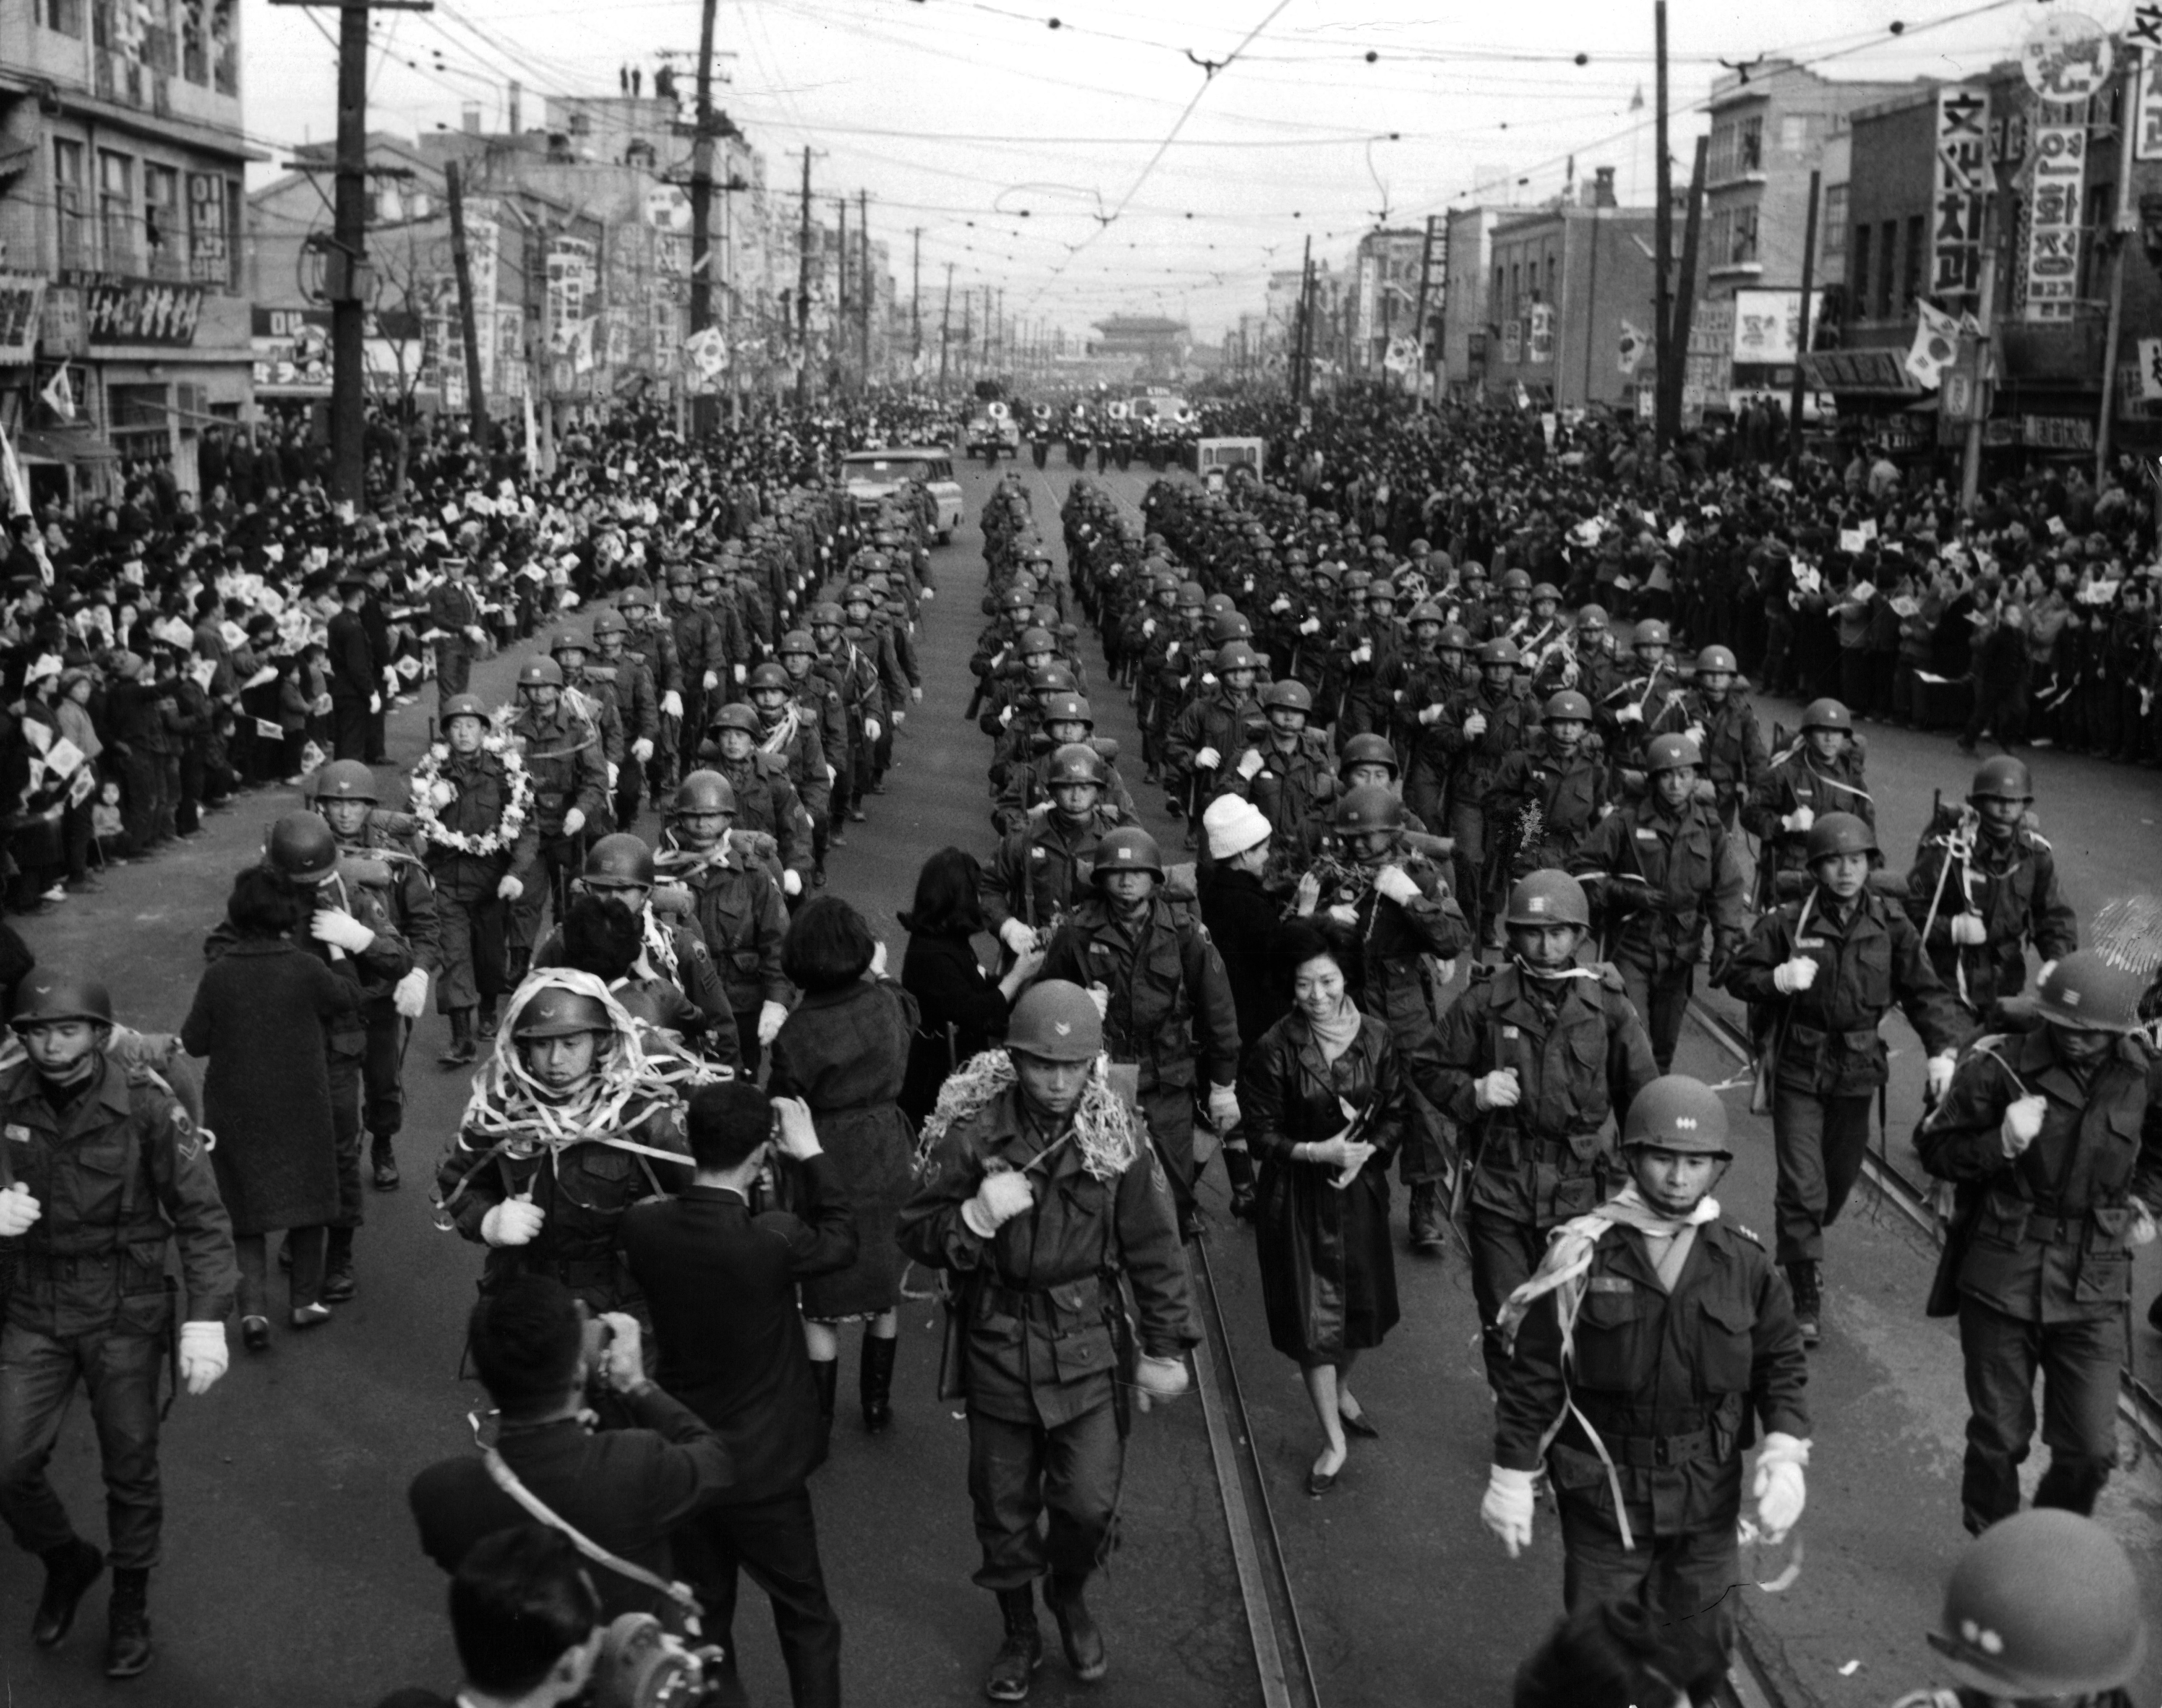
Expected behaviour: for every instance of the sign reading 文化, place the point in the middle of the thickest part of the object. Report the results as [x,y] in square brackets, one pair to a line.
[1956,206]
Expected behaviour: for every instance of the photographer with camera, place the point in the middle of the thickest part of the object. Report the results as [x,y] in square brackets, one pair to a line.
[526,1620]
[719,1272]
[623,1491]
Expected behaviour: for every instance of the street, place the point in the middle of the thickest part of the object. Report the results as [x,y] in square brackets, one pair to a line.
[291,1571]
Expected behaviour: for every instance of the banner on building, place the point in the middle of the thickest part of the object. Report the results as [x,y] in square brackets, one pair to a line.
[1538,344]
[122,311]
[1369,283]
[1437,265]
[2053,220]
[2147,110]
[1963,170]
[1635,344]
[22,302]
[1767,324]
[1512,343]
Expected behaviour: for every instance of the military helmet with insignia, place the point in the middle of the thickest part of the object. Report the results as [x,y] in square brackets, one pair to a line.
[2003,778]
[1369,750]
[570,640]
[1056,1021]
[1369,807]
[1677,1113]
[2044,1605]
[1064,706]
[768,675]
[346,779]
[43,998]
[465,706]
[1075,762]
[703,792]
[301,847]
[2085,990]
[1236,655]
[1567,706]
[1500,652]
[555,1012]
[620,861]
[1288,695]
[541,673]
[1837,833]
[1670,752]
[1715,658]
[1827,714]
[1549,897]
[1128,849]
[736,715]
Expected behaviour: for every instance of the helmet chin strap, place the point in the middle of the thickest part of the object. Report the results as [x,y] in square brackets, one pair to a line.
[1551,975]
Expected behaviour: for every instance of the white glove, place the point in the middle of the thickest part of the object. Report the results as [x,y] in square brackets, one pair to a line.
[1506,1509]
[510,889]
[374,704]
[1162,1378]
[1475,726]
[1939,1071]
[1100,995]
[1789,977]
[1148,627]
[671,704]
[1362,653]
[1000,1198]
[514,1222]
[1393,886]
[1311,626]
[770,1014]
[1968,929]
[2022,1124]
[1430,715]
[792,882]
[2043,977]
[915,694]
[1017,936]
[642,750]
[1006,717]
[1779,1489]
[870,729]
[1250,763]
[475,634]
[1279,605]
[928,593]
[1223,1108]
[411,993]
[1499,1089]
[574,821]
[1207,759]
[1799,820]
[614,770]
[1695,733]
[203,1356]
[17,1210]
[713,679]
[740,672]
[341,929]
[2142,1226]
[1630,714]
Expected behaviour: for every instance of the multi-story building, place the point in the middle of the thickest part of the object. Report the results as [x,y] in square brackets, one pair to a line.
[124,325]
[1156,347]
[1569,303]
[1464,308]
[1385,283]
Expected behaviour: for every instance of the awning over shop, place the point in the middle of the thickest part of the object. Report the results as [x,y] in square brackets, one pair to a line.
[52,445]
[1880,372]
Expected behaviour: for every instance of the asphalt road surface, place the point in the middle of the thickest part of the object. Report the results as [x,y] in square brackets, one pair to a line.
[292,1574]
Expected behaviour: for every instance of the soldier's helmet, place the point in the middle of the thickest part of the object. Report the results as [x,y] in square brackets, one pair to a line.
[1838,833]
[465,706]
[1369,750]
[736,715]
[301,847]
[1500,652]
[1517,581]
[609,622]
[1056,1021]
[1237,655]
[826,614]
[570,640]
[553,1012]
[44,997]
[1036,640]
[1715,658]
[1567,706]
[541,673]
[2003,778]
[703,791]
[2086,991]
[1368,807]
[1289,694]
[768,675]
[1128,849]
[1076,762]
[1827,715]
[1669,752]
[1677,1113]
[1548,897]
[1651,632]
[1061,707]
[346,779]
[620,861]
[2043,1606]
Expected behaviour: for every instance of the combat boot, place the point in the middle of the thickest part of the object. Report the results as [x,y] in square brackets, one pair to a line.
[874,1381]
[461,1051]
[1239,1167]
[1429,1218]
[1803,1281]
[1022,1652]
[69,1571]
[127,1623]
[1078,1634]
[490,1010]
[384,1161]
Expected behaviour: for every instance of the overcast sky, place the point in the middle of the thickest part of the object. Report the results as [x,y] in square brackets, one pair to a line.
[1036,158]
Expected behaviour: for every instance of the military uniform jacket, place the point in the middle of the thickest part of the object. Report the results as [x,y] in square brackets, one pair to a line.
[804,755]
[453,607]
[1800,780]
[1510,719]
[1293,790]
[855,679]
[1734,756]
[740,913]
[408,892]
[122,1172]
[700,644]
[1676,1384]
[1580,1060]
[1690,880]
[1040,871]
[819,701]
[2013,885]
[1039,1350]
[562,753]
[1390,942]
[2047,1238]
[766,801]
[629,679]
[1026,790]
[361,888]
[482,791]
[1570,792]
[1871,958]
[1658,696]
[655,643]
[1171,1001]
[1217,718]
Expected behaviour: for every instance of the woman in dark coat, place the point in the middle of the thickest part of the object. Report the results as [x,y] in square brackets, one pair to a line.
[1322,1098]
[844,1052]
[962,1008]
[262,1014]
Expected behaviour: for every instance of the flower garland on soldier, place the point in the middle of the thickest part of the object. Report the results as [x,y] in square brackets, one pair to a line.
[432,791]
[1103,1126]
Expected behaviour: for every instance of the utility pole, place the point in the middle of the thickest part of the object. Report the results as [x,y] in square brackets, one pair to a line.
[1302,376]
[915,295]
[803,291]
[841,340]
[1684,306]
[1801,333]
[945,327]
[2124,228]
[702,209]
[1667,388]
[865,291]
[462,267]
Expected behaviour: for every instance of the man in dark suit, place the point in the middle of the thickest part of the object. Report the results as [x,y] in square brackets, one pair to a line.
[742,1365]
[355,688]
[627,1489]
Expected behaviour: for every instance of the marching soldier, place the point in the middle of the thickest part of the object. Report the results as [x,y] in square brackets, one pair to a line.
[855,679]
[2055,1144]
[1043,867]
[765,800]
[1166,1001]
[1549,796]
[1478,730]
[1821,773]
[1822,972]
[100,1170]
[454,613]
[561,753]
[648,636]
[1645,703]
[1983,886]
[1659,868]
[736,904]
[701,652]
[788,731]
[1289,773]
[1211,730]
[630,679]
[1725,726]
[818,702]
[1038,1195]
[1533,1061]
[1025,794]
[1652,1344]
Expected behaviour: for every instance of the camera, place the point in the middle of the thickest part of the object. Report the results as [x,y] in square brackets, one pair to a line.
[641,1665]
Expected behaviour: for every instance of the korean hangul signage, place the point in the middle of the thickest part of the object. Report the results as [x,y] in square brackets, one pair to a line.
[1955,207]
[22,302]
[2147,110]
[1767,324]
[1538,346]
[2053,220]
[123,311]
[2066,58]
[1436,264]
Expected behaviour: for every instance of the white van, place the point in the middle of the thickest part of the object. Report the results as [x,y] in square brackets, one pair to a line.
[874,475]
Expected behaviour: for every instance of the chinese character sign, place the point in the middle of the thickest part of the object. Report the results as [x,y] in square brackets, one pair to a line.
[1538,345]
[1956,199]
[1437,263]
[2147,112]
[2053,220]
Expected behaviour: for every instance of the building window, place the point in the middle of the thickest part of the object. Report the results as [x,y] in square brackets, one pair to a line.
[1860,275]
[1831,229]
[116,211]
[65,16]
[1794,134]
[1554,276]
[1495,304]
[1735,149]
[164,239]
[1733,238]
[1888,243]
[71,246]
[1911,272]
[1749,144]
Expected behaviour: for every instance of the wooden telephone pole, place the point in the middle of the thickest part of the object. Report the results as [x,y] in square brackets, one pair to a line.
[803,292]
[461,268]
